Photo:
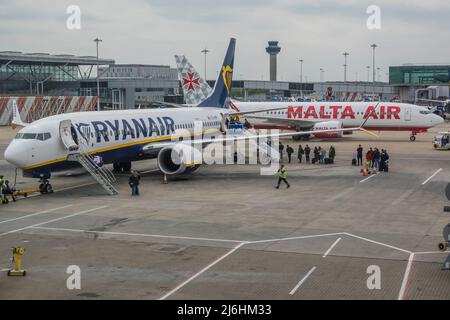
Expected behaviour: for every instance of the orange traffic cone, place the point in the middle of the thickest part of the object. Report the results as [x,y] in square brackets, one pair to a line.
[365,173]
[166,181]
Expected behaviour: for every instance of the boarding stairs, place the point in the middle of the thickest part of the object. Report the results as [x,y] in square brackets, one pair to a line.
[101,174]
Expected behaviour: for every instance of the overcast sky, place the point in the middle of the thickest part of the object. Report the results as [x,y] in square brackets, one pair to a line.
[318,31]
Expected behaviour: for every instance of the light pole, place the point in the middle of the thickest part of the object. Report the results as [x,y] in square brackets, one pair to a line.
[322,74]
[97,41]
[368,73]
[205,52]
[378,74]
[301,77]
[345,54]
[374,46]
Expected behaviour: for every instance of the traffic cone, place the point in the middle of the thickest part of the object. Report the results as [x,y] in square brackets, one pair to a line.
[166,181]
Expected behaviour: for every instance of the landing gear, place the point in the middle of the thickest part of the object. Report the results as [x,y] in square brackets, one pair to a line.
[412,138]
[45,187]
[122,167]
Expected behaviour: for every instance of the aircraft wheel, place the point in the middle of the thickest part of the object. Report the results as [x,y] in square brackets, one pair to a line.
[442,246]
[126,166]
[412,138]
[116,167]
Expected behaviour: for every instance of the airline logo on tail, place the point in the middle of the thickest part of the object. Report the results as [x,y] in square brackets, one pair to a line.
[227,75]
[195,88]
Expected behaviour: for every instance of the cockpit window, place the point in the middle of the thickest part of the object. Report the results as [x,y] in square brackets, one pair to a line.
[425,112]
[34,136]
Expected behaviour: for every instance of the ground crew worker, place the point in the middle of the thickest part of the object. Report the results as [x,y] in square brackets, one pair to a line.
[7,190]
[282,177]
[360,151]
[2,195]
[307,153]
[301,152]
[134,183]
[289,152]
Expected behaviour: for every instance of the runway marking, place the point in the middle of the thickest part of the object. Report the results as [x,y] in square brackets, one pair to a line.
[297,238]
[379,243]
[403,289]
[53,220]
[203,270]
[35,214]
[302,281]
[60,190]
[332,247]
[431,252]
[374,175]
[403,197]
[429,179]
[138,235]
[341,194]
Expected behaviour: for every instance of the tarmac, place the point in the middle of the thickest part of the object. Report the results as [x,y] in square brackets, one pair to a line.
[225,232]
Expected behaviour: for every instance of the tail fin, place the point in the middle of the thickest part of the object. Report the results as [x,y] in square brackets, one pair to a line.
[222,89]
[195,88]
[17,120]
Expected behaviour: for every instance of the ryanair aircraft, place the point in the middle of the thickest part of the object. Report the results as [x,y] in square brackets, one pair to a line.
[121,137]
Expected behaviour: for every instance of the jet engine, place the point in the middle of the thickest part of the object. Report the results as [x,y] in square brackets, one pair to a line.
[328,125]
[179,159]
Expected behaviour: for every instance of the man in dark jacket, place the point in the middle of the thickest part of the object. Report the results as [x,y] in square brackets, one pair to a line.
[332,153]
[281,149]
[134,182]
[308,153]
[289,152]
[301,152]
[360,152]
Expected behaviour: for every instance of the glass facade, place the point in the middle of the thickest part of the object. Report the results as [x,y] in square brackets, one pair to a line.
[419,75]
[39,72]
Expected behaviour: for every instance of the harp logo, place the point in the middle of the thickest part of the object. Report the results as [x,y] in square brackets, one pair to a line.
[84,130]
[227,75]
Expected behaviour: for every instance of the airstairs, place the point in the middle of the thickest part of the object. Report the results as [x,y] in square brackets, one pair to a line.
[102,175]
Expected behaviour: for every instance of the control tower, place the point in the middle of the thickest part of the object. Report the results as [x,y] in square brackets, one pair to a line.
[273,50]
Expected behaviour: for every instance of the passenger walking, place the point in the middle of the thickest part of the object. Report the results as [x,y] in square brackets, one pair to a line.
[134,183]
[316,155]
[282,177]
[289,152]
[359,155]
[301,152]
[308,154]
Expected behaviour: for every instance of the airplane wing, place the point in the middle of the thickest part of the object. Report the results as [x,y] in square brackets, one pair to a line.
[17,120]
[289,122]
[435,101]
[156,146]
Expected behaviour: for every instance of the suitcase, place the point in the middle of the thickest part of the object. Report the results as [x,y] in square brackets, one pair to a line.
[329,161]
[354,162]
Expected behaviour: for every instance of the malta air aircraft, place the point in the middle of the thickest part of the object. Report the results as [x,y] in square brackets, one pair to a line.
[317,116]
[121,137]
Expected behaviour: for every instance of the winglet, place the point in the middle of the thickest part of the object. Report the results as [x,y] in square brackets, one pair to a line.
[17,120]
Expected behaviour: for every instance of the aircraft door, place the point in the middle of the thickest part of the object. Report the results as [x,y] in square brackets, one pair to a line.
[407,114]
[68,135]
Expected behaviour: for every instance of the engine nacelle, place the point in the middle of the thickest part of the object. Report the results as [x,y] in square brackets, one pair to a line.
[179,159]
[328,125]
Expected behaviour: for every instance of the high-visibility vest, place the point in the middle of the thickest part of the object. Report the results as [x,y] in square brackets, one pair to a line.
[282,173]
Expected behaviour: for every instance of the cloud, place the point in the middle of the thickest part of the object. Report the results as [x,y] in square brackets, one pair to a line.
[152,31]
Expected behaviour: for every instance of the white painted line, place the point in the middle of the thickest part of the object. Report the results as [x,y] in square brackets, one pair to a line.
[297,238]
[405,282]
[379,243]
[433,252]
[366,179]
[203,271]
[403,197]
[341,194]
[76,187]
[302,281]
[53,220]
[434,175]
[332,247]
[36,214]
[137,235]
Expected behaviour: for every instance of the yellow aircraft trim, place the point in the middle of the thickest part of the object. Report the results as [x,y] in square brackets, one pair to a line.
[122,146]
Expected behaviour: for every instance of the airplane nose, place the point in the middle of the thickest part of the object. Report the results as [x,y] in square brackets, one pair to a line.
[13,156]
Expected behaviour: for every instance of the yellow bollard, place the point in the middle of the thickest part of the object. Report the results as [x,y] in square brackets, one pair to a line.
[17,259]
